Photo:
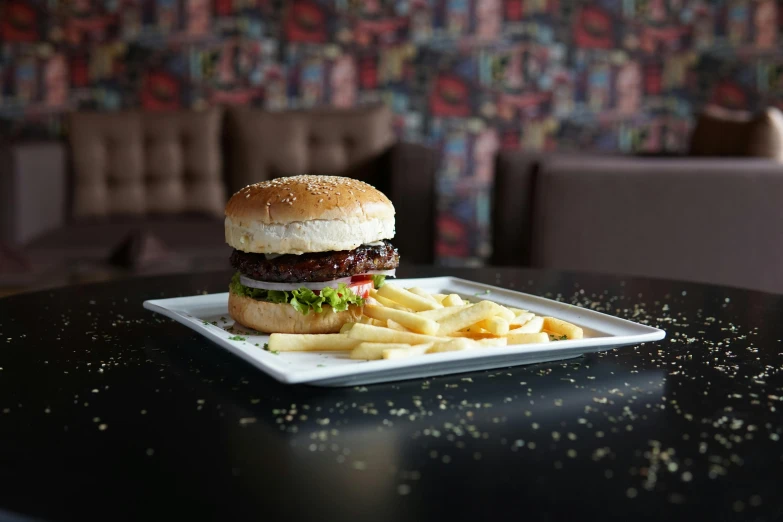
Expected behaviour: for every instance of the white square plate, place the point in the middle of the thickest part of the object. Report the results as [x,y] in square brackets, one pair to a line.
[208,315]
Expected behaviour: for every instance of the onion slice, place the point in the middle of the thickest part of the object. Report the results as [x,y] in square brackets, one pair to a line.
[388,273]
[315,285]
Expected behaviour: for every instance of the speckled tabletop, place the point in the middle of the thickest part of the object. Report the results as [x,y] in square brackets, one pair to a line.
[110,412]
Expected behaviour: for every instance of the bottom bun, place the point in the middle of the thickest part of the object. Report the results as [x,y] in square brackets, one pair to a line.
[283,318]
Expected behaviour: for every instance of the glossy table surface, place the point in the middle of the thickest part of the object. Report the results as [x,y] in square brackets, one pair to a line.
[110,412]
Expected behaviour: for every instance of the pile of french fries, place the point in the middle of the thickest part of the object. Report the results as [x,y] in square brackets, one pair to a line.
[403,322]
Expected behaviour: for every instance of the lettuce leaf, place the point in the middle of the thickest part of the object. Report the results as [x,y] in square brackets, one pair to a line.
[303,300]
[341,298]
[378,280]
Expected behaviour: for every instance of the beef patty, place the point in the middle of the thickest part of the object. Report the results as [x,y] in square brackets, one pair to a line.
[316,266]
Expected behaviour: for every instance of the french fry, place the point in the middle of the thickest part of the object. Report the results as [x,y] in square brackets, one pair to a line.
[374,351]
[484,339]
[440,313]
[467,316]
[454,345]
[411,321]
[439,298]
[526,338]
[492,341]
[422,293]
[410,351]
[347,326]
[407,299]
[369,320]
[387,302]
[452,300]
[473,329]
[494,325]
[394,325]
[376,334]
[517,311]
[558,326]
[483,334]
[532,326]
[505,313]
[279,342]
[521,318]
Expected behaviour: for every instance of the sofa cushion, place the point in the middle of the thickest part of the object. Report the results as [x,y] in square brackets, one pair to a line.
[96,239]
[12,261]
[138,163]
[263,145]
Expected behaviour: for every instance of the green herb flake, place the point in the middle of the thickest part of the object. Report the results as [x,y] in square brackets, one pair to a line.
[266,346]
[485,292]
[564,338]
[321,366]
[236,338]
[276,352]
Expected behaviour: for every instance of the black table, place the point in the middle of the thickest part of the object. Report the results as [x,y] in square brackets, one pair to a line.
[110,412]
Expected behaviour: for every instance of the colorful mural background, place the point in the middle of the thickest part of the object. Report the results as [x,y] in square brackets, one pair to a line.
[467,76]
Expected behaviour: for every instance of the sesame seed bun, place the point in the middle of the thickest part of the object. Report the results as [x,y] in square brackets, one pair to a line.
[302,214]
[284,318]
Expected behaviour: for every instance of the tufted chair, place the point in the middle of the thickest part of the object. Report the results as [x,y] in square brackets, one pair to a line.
[358,143]
[119,175]
[139,164]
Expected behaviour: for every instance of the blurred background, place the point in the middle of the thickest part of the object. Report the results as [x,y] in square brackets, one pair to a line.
[465,81]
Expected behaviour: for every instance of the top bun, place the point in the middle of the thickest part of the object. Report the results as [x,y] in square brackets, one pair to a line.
[300,214]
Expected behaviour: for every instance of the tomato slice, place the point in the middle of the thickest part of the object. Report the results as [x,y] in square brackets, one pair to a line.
[358,278]
[362,288]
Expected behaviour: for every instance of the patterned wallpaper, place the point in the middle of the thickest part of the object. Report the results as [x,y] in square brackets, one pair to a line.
[466,76]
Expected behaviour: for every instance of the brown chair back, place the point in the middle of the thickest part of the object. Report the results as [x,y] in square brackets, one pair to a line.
[141,163]
[263,145]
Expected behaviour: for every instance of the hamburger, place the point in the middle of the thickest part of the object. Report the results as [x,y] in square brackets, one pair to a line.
[307,252]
